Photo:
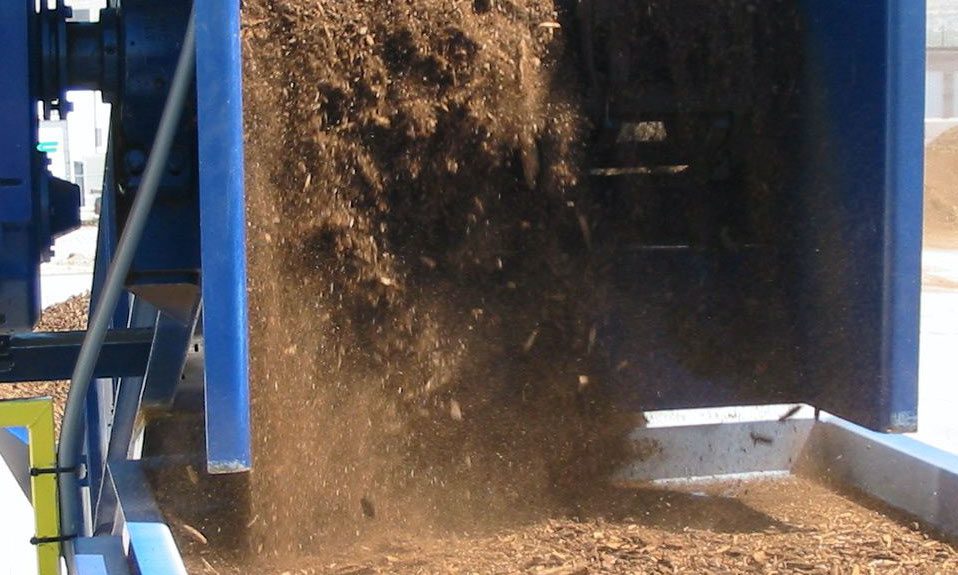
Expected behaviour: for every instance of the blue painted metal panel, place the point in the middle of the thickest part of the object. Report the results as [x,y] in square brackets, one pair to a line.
[107,237]
[34,207]
[222,217]
[857,220]
[152,550]
[906,111]
[17,114]
[737,319]
[101,556]
[19,278]
[19,284]
[169,249]
[90,564]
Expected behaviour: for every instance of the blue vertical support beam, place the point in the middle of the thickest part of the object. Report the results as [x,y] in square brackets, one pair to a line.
[223,238]
[858,271]
[107,237]
[905,177]
[18,115]
[19,282]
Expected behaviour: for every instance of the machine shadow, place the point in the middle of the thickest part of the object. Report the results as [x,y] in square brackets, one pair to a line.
[677,511]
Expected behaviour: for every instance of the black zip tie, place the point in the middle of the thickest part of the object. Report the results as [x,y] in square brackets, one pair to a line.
[36,471]
[57,539]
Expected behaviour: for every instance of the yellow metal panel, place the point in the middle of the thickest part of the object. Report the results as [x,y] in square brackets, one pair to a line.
[37,416]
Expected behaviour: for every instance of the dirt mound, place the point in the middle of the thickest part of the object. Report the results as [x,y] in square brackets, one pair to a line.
[941,191]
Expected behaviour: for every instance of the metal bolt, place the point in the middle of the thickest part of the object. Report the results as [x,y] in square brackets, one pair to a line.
[135,161]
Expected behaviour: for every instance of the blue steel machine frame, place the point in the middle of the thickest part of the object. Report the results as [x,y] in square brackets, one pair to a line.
[130,55]
[183,310]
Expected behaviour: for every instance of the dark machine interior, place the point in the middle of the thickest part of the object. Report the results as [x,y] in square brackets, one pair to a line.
[696,114]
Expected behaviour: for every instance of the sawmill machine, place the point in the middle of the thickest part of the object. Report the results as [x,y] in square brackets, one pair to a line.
[168,329]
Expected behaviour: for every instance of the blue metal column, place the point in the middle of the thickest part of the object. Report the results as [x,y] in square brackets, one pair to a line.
[223,237]
[859,214]
[904,203]
[19,282]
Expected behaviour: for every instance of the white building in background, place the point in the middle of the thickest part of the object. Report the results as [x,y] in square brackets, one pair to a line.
[941,84]
[87,130]
[86,10]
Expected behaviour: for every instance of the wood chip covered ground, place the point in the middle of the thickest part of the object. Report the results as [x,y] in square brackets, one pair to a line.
[785,525]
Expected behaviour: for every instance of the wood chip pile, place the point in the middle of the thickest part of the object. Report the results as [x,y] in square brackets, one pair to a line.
[70,315]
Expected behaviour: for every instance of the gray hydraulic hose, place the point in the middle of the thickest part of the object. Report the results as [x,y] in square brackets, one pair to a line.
[71,434]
